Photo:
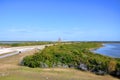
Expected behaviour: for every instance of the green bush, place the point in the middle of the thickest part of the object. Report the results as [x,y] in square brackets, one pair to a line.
[71,55]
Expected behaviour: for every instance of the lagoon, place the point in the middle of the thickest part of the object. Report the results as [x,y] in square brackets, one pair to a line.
[109,49]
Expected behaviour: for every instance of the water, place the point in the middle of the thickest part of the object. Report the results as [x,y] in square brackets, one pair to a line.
[109,49]
[11,42]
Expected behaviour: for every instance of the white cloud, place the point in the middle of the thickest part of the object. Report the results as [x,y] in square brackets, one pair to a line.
[19,30]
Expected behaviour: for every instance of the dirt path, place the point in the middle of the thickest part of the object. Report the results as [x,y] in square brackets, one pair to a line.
[5,52]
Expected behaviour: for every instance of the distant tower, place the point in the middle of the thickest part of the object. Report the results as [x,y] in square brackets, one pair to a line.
[59,40]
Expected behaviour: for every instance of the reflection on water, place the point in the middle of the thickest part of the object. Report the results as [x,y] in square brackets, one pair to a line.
[111,49]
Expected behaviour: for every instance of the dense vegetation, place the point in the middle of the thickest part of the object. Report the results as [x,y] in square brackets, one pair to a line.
[74,55]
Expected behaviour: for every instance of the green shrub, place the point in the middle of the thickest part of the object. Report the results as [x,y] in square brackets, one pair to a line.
[72,55]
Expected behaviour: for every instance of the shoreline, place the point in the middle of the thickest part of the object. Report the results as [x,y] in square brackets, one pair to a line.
[106,53]
[93,49]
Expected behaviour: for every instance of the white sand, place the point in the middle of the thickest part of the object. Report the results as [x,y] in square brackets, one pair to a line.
[23,48]
[15,50]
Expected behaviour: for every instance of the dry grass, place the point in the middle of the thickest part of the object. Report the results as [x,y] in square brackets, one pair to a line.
[25,73]
[10,70]
[12,62]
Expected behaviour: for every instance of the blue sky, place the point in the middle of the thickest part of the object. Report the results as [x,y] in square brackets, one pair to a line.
[73,20]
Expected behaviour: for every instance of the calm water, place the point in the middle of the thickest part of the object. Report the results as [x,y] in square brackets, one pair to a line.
[109,49]
[8,42]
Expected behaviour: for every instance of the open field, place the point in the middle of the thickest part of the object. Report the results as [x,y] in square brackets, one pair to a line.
[11,70]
